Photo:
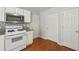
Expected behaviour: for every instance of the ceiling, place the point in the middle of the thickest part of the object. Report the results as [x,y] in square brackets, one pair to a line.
[36,9]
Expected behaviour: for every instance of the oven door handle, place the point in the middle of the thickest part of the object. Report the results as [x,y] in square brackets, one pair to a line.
[15,35]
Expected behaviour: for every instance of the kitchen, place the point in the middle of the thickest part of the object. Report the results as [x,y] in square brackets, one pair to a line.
[20,25]
[39,29]
[14,29]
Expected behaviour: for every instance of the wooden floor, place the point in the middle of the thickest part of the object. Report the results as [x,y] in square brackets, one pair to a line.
[40,44]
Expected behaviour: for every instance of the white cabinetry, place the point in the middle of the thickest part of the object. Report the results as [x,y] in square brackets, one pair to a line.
[11,10]
[14,10]
[20,11]
[27,16]
[29,37]
[2,14]
[1,42]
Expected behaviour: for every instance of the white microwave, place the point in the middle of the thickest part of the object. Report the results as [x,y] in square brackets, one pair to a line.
[14,17]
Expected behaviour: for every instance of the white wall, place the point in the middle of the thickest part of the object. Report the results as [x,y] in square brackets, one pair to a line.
[55,10]
[35,24]
[47,16]
[39,21]
[49,26]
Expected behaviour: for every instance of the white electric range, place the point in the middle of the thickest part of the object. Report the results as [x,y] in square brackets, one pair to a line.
[15,38]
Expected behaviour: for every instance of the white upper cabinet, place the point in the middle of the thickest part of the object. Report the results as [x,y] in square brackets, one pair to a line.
[11,10]
[2,14]
[27,16]
[20,11]
[14,10]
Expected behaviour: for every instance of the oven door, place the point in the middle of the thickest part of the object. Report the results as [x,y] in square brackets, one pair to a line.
[14,41]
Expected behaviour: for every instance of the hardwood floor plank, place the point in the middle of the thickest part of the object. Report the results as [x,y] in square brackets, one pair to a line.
[40,44]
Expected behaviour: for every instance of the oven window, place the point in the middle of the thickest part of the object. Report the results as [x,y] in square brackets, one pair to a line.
[16,39]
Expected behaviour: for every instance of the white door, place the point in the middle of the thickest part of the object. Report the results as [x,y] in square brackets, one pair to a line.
[52,27]
[69,27]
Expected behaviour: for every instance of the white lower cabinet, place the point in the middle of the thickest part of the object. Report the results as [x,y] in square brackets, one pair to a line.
[29,37]
[1,42]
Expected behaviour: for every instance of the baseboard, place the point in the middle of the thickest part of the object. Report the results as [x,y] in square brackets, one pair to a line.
[60,43]
[43,37]
[39,37]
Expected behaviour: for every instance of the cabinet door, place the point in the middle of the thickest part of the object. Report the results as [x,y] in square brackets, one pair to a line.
[1,42]
[29,37]
[69,28]
[11,10]
[2,14]
[20,11]
[27,16]
[52,27]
